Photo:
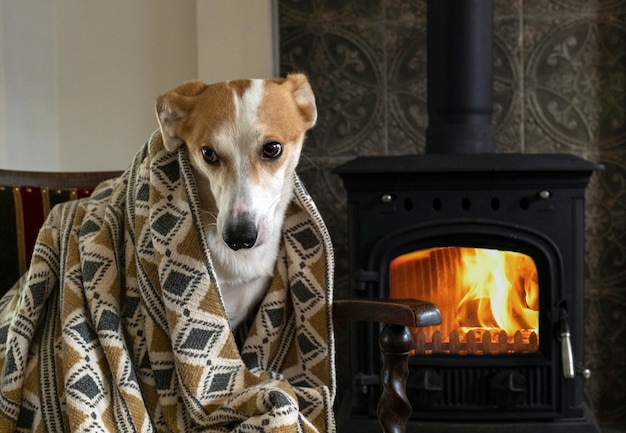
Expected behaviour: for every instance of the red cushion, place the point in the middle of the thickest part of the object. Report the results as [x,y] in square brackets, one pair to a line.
[23,210]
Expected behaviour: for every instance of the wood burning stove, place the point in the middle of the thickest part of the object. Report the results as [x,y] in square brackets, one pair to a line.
[418,226]
[495,240]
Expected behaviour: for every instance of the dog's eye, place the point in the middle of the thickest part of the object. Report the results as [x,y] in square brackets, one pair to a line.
[210,156]
[272,150]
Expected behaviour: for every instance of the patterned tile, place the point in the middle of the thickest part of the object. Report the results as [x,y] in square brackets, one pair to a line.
[344,63]
[508,114]
[507,8]
[558,7]
[407,116]
[342,11]
[574,82]
[405,10]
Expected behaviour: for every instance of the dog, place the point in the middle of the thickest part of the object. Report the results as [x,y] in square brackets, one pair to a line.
[244,139]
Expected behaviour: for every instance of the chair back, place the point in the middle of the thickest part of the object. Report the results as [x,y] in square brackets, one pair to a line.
[26,198]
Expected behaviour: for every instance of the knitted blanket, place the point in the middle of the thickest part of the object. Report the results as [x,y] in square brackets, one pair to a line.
[119,324]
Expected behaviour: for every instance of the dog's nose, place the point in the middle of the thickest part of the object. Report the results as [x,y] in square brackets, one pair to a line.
[242,235]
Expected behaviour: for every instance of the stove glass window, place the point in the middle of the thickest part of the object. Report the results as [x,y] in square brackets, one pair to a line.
[489,299]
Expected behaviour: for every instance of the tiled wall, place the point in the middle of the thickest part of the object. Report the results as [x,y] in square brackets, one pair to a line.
[560,73]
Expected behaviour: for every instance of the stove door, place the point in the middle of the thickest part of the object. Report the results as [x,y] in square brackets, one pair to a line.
[496,354]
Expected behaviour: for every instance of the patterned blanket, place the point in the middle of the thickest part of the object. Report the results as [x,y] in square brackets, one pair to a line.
[119,324]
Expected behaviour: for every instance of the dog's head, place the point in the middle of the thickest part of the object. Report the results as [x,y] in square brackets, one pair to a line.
[244,139]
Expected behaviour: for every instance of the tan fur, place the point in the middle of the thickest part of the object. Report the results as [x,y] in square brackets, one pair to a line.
[244,188]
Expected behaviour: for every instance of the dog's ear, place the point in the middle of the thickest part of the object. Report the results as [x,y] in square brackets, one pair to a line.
[172,109]
[304,97]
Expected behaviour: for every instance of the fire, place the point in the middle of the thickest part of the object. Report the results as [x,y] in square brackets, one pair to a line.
[499,290]
[489,293]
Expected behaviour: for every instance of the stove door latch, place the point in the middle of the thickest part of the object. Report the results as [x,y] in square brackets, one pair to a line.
[567,355]
[569,370]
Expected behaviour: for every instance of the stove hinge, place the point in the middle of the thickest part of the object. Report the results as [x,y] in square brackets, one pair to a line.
[363,381]
[363,279]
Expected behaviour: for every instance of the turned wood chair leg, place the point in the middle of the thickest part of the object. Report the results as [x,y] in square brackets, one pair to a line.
[394,408]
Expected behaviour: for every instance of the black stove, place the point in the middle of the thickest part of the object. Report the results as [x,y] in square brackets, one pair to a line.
[495,240]
[531,205]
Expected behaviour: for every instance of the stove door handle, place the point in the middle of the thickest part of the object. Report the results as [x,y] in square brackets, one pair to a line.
[567,356]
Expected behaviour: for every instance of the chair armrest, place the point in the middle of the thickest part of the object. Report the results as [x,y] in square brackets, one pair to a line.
[395,342]
[403,312]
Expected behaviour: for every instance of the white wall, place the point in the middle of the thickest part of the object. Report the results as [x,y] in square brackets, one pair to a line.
[3,93]
[78,79]
[114,58]
[31,115]
[236,39]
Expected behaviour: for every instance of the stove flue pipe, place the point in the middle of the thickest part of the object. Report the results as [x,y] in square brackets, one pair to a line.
[460,76]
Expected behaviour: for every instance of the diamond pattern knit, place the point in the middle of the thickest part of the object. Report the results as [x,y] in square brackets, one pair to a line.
[119,325]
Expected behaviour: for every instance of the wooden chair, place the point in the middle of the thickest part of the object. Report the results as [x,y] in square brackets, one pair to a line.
[26,198]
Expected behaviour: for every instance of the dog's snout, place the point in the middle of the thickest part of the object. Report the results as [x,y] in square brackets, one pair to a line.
[240,235]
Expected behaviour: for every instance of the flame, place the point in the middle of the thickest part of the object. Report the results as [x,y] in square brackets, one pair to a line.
[499,290]
[476,289]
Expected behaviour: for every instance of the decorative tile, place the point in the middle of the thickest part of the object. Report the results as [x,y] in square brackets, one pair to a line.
[405,10]
[507,8]
[574,82]
[344,64]
[407,116]
[508,114]
[336,11]
[606,311]
[533,7]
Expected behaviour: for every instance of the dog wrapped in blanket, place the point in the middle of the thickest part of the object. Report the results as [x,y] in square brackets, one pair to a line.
[123,321]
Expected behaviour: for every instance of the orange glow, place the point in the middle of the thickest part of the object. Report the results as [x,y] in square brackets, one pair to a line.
[489,299]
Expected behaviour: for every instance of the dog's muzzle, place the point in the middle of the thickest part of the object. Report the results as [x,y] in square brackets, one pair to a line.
[240,235]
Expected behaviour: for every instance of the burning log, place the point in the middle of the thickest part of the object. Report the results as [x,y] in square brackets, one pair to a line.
[489,299]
